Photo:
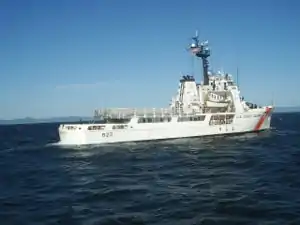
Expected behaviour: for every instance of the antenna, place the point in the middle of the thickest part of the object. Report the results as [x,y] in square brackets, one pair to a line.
[193,66]
[237,76]
[273,100]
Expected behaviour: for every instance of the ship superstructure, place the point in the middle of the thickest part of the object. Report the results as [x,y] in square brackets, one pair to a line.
[211,107]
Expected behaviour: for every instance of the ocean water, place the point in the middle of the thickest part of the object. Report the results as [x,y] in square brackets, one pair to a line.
[245,179]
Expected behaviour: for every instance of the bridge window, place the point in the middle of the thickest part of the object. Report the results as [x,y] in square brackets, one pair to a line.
[95,127]
[120,126]
[155,120]
[70,127]
[191,118]
[221,119]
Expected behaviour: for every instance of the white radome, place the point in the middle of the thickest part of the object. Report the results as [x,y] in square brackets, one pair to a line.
[197,109]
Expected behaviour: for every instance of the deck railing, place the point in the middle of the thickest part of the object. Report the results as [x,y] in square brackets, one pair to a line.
[123,113]
[128,113]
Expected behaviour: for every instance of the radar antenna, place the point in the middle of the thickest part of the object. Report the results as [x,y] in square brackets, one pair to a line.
[202,51]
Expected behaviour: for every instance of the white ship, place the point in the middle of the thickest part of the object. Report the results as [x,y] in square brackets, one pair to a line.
[212,107]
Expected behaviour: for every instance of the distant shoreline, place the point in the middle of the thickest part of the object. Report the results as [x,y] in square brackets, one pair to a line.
[27,120]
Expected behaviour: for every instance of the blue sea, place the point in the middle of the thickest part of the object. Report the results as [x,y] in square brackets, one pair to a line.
[242,179]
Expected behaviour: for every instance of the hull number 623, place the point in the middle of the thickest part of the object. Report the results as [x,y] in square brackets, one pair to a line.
[107,134]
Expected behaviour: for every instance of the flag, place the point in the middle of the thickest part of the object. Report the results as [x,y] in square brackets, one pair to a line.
[195,50]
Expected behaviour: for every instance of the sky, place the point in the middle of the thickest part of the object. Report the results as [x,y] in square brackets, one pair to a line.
[69,57]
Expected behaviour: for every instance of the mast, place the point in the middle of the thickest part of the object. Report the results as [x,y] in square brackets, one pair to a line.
[201,50]
[237,77]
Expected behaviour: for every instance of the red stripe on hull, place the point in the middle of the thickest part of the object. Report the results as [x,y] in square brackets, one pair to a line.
[262,119]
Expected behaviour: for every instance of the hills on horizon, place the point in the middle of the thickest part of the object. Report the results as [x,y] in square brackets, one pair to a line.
[30,120]
[283,109]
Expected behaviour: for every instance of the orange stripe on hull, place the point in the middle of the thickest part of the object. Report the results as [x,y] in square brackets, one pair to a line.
[262,119]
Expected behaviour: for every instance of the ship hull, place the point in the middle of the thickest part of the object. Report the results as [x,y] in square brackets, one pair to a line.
[254,121]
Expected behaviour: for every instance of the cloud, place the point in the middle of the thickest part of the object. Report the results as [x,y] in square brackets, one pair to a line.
[80,86]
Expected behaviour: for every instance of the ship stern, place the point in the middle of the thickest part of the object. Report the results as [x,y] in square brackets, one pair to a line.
[264,122]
